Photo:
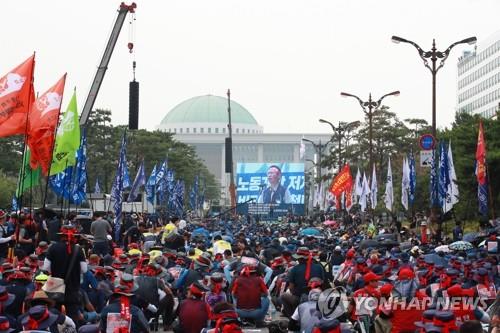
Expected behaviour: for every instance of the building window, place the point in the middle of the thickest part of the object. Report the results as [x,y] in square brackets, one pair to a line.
[187,130]
[216,130]
[194,130]
[237,131]
[223,130]
[180,130]
[202,130]
[209,130]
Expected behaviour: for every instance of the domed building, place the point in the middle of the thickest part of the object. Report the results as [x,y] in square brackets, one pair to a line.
[208,115]
[202,122]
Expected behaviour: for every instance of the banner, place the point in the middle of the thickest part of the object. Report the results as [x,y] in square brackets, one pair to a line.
[342,182]
[482,183]
[276,188]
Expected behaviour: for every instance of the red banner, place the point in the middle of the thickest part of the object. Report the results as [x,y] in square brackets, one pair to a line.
[16,89]
[481,157]
[342,182]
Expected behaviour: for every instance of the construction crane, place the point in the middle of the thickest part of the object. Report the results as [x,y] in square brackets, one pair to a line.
[103,66]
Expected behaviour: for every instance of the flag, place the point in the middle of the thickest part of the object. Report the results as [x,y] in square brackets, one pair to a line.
[201,196]
[405,183]
[150,186]
[16,95]
[67,139]
[389,191]
[413,178]
[97,188]
[118,186]
[61,183]
[161,181]
[79,188]
[43,119]
[178,195]
[193,194]
[348,198]
[374,189]
[302,149]
[453,193]
[444,178]
[15,206]
[364,194]
[434,183]
[481,176]
[358,186]
[30,177]
[140,180]
[342,181]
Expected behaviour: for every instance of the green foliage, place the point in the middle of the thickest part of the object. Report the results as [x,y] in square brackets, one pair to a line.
[8,187]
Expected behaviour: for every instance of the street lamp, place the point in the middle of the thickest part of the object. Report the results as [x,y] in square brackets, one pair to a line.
[433,55]
[340,130]
[318,147]
[372,106]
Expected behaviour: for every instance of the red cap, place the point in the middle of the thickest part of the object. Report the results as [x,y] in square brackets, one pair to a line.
[370,276]
[386,289]
[406,274]
[350,254]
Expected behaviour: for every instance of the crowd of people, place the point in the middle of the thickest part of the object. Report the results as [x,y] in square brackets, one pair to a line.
[315,274]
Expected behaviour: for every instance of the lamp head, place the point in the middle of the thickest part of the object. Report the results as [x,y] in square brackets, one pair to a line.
[470,41]
[397,40]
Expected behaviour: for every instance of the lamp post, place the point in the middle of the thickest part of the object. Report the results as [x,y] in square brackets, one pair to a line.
[433,55]
[318,147]
[340,130]
[372,107]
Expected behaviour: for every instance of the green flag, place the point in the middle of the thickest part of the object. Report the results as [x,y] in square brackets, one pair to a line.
[31,177]
[67,139]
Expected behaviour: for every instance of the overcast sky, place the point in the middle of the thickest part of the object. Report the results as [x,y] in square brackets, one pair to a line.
[286,61]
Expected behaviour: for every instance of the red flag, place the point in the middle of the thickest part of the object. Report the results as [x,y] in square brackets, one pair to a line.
[16,91]
[342,181]
[43,119]
[481,156]
[348,197]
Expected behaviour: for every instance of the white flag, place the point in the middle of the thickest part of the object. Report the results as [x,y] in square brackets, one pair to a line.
[452,191]
[364,193]
[405,184]
[389,193]
[302,149]
[358,186]
[374,190]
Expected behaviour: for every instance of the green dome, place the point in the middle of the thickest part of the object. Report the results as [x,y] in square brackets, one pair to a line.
[208,109]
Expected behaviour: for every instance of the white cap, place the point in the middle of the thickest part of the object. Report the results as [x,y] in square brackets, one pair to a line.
[337,248]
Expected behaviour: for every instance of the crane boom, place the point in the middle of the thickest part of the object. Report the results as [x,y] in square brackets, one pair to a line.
[103,66]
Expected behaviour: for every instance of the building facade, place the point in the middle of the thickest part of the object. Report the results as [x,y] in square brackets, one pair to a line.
[478,87]
[202,123]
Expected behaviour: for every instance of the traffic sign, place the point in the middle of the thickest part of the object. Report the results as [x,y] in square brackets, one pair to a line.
[426,158]
[427,142]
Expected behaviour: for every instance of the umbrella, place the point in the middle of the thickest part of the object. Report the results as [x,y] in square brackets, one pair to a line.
[470,237]
[461,246]
[329,222]
[200,232]
[369,243]
[442,248]
[436,259]
[310,232]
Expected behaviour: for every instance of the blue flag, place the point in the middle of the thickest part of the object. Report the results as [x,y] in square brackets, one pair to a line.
[97,188]
[170,189]
[140,180]
[150,186]
[118,186]
[179,198]
[413,178]
[161,182]
[60,183]
[15,205]
[434,183]
[79,188]
[193,194]
[444,174]
[201,196]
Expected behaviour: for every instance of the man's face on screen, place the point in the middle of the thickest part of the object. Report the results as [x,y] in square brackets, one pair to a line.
[273,176]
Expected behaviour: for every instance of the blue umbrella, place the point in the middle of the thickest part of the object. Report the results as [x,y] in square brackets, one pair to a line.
[200,232]
[310,232]
[436,259]
[471,237]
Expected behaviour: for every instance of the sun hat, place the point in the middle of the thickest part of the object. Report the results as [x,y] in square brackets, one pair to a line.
[38,318]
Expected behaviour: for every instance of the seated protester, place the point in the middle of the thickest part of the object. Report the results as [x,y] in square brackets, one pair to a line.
[250,295]
[298,278]
[248,257]
[216,293]
[134,234]
[193,312]
[306,315]
[16,286]
[201,268]
[39,318]
[7,299]
[119,300]
[41,298]
[226,320]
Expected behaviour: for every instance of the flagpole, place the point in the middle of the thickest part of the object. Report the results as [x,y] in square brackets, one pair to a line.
[64,186]
[21,184]
[53,146]
[490,193]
